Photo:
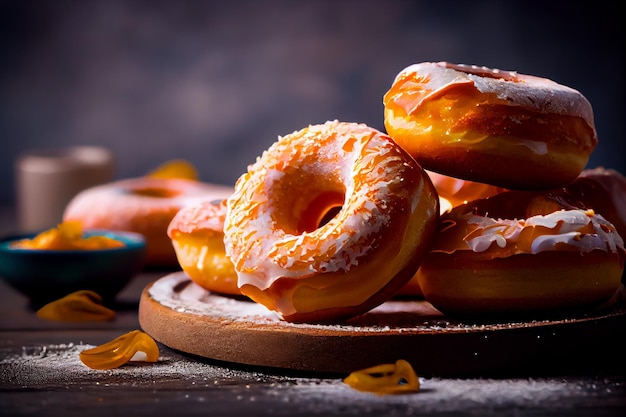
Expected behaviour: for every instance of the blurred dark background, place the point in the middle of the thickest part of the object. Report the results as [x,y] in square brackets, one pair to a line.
[215,82]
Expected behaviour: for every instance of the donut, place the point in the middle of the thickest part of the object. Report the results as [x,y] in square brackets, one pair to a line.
[455,191]
[143,205]
[329,222]
[521,253]
[452,192]
[411,289]
[479,124]
[604,191]
[197,234]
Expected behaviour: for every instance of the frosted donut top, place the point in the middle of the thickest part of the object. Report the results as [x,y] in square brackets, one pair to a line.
[142,198]
[580,230]
[540,94]
[374,176]
[199,216]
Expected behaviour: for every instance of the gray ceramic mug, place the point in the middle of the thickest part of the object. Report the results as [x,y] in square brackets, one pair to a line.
[47,179]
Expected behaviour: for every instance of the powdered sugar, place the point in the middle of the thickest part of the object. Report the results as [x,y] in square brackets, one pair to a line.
[43,365]
[179,381]
[177,292]
[528,91]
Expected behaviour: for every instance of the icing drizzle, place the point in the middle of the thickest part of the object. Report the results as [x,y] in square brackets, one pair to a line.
[580,230]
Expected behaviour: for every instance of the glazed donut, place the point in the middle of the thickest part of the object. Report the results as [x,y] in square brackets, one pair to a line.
[329,222]
[456,191]
[411,289]
[143,205]
[452,192]
[477,124]
[197,233]
[604,191]
[521,253]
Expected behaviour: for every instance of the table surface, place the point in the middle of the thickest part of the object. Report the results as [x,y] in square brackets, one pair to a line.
[41,374]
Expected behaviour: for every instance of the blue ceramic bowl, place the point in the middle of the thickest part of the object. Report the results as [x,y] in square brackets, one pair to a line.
[46,275]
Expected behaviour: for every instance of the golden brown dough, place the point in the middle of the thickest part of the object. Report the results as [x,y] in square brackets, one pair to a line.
[490,126]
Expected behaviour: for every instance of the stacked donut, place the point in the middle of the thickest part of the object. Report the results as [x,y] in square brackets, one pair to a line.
[329,222]
[475,198]
[544,245]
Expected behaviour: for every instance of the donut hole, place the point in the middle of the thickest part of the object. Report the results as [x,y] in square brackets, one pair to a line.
[320,210]
[155,192]
[330,214]
[304,200]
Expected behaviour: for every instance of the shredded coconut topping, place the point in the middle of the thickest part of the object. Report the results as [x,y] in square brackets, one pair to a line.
[365,168]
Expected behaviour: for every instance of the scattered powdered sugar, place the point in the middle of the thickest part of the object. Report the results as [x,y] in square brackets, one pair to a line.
[48,365]
[52,367]
[177,292]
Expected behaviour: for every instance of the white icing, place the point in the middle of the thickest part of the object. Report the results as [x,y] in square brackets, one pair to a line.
[204,250]
[263,252]
[528,91]
[116,206]
[565,227]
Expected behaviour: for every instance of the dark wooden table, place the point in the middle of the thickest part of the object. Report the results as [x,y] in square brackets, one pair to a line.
[41,375]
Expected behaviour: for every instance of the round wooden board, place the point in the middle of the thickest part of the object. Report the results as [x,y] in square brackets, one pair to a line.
[181,315]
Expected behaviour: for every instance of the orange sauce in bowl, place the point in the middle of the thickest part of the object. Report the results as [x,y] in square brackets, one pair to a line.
[67,236]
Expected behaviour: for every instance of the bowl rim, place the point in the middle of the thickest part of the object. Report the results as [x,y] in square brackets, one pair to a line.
[132,241]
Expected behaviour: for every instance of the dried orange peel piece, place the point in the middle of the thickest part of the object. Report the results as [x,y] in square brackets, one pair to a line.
[175,168]
[67,236]
[79,306]
[398,378]
[132,346]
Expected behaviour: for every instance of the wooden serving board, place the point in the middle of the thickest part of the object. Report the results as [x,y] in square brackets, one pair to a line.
[181,315]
